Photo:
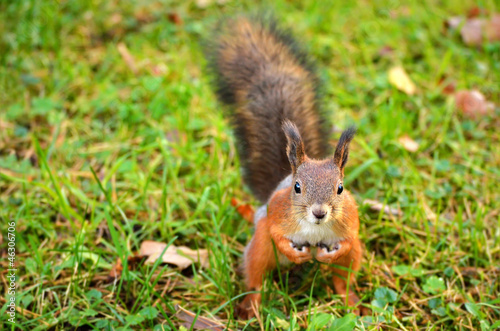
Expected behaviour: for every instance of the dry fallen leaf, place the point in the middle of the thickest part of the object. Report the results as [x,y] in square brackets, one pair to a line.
[400,79]
[127,57]
[117,269]
[409,144]
[472,31]
[246,211]
[447,86]
[378,206]
[475,31]
[493,28]
[181,256]
[475,12]
[201,323]
[473,103]
[175,18]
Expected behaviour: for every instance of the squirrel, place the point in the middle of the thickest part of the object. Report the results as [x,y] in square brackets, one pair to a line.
[271,88]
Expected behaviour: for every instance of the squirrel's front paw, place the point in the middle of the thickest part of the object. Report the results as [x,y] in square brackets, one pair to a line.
[327,254]
[300,247]
[300,254]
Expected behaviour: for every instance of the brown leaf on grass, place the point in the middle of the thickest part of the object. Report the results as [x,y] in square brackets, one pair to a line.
[409,144]
[378,206]
[400,79]
[127,57]
[200,322]
[474,31]
[116,270]
[151,251]
[447,87]
[473,103]
[476,11]
[132,262]
[246,211]
[493,28]
[181,256]
[175,18]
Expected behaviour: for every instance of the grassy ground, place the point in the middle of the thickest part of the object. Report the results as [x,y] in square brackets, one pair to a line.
[98,155]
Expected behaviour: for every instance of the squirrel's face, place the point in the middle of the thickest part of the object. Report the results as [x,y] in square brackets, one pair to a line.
[317,192]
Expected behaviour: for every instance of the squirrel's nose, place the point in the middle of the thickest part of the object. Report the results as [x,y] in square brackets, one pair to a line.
[319,213]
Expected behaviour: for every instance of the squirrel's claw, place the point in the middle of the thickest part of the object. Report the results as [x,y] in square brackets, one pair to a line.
[301,253]
[327,254]
[329,249]
[301,248]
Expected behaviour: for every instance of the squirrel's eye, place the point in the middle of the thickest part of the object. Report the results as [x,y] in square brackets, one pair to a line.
[340,189]
[297,187]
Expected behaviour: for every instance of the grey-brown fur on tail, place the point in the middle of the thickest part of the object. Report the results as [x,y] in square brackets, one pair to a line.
[261,73]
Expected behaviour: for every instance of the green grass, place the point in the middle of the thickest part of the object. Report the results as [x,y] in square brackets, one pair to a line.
[95,159]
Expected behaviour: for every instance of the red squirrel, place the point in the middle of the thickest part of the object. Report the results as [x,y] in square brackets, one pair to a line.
[271,88]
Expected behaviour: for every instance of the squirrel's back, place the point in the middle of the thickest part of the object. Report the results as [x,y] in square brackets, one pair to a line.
[265,78]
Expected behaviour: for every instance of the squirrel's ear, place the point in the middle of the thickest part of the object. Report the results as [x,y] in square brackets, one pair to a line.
[295,146]
[342,150]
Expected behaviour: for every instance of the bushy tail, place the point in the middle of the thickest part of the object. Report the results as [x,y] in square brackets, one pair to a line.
[262,75]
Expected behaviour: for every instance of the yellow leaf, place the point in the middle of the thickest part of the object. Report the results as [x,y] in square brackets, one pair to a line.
[409,144]
[399,78]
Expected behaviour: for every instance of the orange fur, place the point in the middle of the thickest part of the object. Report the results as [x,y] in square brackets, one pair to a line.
[260,257]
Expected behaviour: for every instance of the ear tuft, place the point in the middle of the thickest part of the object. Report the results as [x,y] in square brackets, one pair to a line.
[295,146]
[342,151]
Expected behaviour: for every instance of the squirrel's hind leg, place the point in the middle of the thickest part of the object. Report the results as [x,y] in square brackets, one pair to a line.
[342,287]
[344,280]
[259,258]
